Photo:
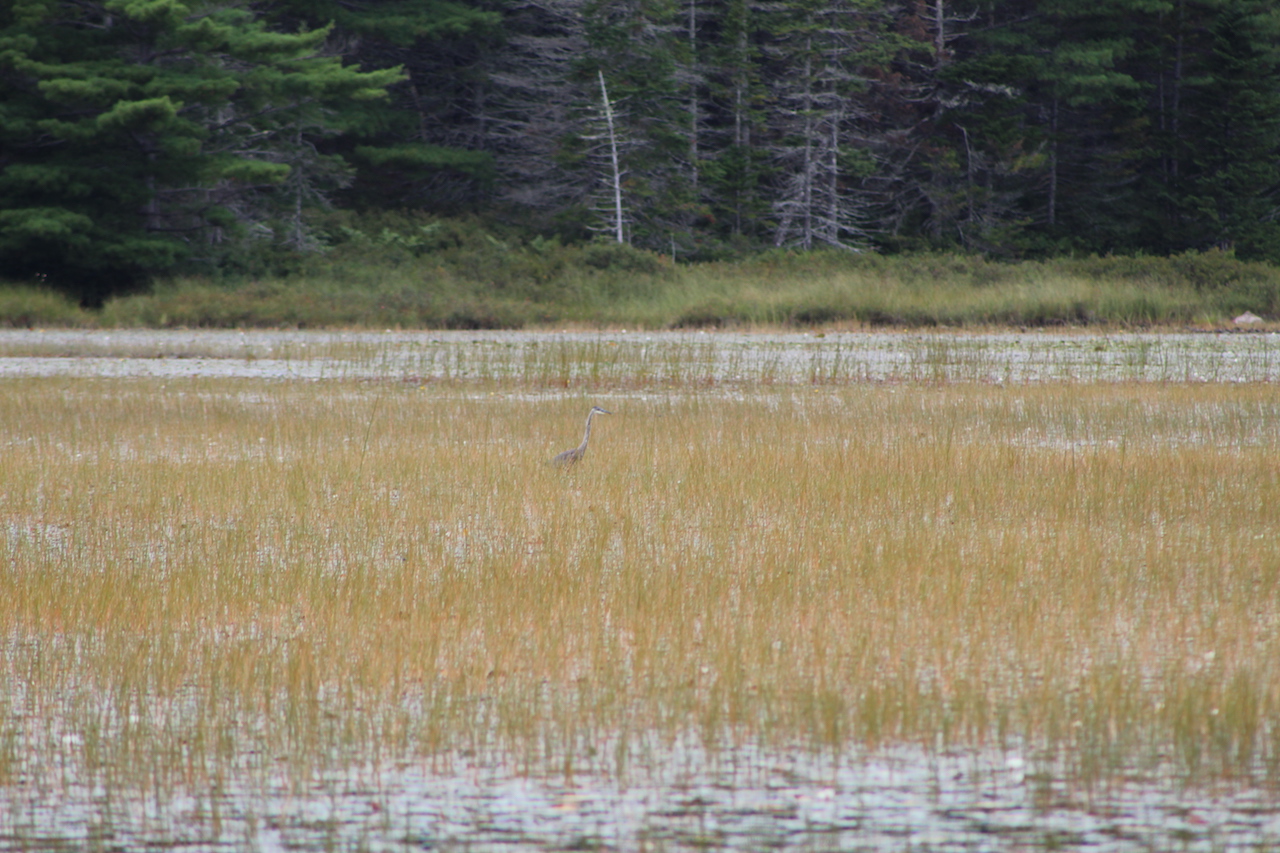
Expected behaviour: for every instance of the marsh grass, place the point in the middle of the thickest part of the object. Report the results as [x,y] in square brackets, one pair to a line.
[790,293]
[26,306]
[593,362]
[409,270]
[208,580]
[406,274]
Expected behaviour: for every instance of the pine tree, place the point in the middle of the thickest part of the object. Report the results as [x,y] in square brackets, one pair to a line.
[138,133]
[1221,158]
[1087,106]
[1033,125]
[732,174]
[637,46]
[423,145]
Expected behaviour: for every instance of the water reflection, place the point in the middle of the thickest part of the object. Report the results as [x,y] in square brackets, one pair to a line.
[666,796]
[736,799]
[555,358]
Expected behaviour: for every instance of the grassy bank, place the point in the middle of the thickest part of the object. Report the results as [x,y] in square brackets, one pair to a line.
[406,273]
[213,579]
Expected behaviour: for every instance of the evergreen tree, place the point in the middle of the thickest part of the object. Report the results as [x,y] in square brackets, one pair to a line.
[1221,157]
[137,133]
[637,46]
[1033,139]
[423,145]
[140,135]
[733,172]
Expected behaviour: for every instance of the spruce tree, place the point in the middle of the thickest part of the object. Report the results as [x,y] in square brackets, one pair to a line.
[141,133]
[1226,193]
[422,146]
[636,45]
[734,170]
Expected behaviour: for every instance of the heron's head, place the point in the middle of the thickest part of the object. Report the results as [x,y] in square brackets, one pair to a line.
[600,410]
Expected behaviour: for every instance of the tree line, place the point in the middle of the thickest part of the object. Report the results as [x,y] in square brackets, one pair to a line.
[148,136]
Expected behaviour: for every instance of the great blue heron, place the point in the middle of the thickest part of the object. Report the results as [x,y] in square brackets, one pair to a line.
[569,457]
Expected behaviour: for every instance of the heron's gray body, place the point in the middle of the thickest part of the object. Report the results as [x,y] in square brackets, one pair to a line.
[573,456]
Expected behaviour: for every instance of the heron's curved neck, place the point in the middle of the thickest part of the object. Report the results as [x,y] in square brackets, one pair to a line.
[586,435]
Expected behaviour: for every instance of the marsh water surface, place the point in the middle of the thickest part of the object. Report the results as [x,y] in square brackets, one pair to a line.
[63,785]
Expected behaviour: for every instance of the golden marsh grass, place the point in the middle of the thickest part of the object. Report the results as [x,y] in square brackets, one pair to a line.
[207,577]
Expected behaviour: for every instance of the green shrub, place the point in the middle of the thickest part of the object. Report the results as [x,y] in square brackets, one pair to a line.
[408,269]
[621,257]
[26,307]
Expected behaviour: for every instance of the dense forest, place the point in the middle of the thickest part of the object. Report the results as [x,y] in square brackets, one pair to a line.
[150,137]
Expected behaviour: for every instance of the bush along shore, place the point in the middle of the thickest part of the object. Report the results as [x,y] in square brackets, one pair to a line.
[408,272]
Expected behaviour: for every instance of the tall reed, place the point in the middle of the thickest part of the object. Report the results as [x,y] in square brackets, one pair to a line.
[206,578]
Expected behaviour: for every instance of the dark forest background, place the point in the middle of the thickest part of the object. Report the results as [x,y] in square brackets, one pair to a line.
[145,138]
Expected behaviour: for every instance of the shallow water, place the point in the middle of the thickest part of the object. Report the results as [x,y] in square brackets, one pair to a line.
[735,799]
[656,357]
[672,796]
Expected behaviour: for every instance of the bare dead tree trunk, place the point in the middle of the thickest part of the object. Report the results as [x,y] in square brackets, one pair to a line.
[693,93]
[741,127]
[423,135]
[813,197]
[971,219]
[808,169]
[1053,163]
[939,34]
[619,233]
[833,178]
[1174,124]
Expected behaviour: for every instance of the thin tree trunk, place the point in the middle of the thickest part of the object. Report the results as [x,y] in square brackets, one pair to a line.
[1177,90]
[833,177]
[968,168]
[807,195]
[741,130]
[423,135]
[693,92]
[1053,162]
[613,153]
[298,234]
[939,35]
[1162,118]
